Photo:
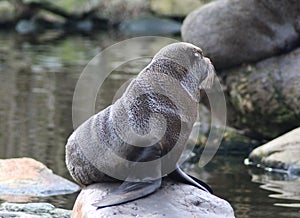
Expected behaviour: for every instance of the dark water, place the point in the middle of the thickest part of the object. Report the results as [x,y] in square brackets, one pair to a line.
[37,81]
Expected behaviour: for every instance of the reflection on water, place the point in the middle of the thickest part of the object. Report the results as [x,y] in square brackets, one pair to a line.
[284,185]
[37,81]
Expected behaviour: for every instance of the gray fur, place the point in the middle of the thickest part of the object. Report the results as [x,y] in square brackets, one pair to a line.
[89,149]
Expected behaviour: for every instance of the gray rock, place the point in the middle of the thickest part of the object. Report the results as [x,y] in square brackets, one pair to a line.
[26,26]
[114,10]
[282,153]
[233,142]
[85,25]
[175,8]
[7,12]
[98,11]
[150,26]
[119,10]
[232,32]
[32,210]
[266,96]
[172,200]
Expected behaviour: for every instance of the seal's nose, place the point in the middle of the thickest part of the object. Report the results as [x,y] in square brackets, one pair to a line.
[207,61]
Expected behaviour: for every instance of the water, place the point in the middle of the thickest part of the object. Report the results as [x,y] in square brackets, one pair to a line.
[245,189]
[37,81]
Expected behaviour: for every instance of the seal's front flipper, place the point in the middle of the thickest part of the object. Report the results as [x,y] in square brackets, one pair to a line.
[181,176]
[128,191]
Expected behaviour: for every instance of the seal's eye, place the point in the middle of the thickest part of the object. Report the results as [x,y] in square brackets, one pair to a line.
[197,54]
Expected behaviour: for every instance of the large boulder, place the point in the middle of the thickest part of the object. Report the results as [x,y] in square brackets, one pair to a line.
[232,32]
[28,177]
[113,10]
[77,14]
[282,153]
[119,10]
[172,200]
[265,97]
[175,8]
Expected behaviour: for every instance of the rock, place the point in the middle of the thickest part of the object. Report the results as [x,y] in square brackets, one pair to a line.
[81,15]
[37,15]
[71,7]
[265,97]
[7,13]
[150,26]
[119,10]
[172,200]
[115,11]
[39,20]
[28,177]
[85,25]
[175,8]
[53,20]
[232,32]
[32,210]
[282,153]
[26,27]
[233,142]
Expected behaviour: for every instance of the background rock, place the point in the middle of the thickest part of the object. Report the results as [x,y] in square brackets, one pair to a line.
[265,97]
[150,26]
[75,14]
[119,10]
[233,142]
[172,200]
[232,32]
[32,210]
[7,13]
[26,27]
[175,8]
[282,153]
[25,176]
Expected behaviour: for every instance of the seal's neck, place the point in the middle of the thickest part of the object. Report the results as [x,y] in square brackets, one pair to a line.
[191,85]
[183,75]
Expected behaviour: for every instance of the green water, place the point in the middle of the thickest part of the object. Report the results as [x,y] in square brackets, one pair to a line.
[37,81]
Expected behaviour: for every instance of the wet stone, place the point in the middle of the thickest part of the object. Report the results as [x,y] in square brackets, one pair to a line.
[32,210]
[28,177]
[282,153]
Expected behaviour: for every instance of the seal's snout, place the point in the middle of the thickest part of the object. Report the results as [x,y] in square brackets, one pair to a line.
[207,61]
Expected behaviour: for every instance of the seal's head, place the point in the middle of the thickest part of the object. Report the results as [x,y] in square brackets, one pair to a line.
[200,71]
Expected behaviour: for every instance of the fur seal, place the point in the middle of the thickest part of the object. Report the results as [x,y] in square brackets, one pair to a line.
[140,138]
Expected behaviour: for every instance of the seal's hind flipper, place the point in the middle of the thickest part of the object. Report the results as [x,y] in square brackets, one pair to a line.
[181,176]
[128,191]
